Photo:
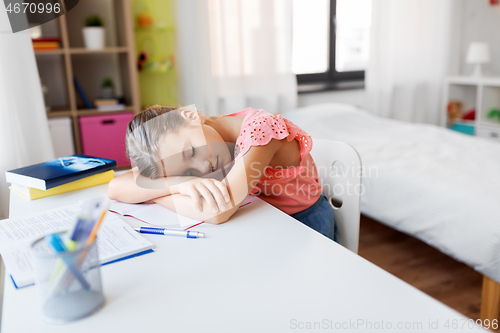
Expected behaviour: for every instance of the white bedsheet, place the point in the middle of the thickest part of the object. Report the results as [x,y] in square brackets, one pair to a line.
[437,185]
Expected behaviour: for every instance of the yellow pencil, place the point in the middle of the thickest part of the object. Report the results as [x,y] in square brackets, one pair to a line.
[93,234]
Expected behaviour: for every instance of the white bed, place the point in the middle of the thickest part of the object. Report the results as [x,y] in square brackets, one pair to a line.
[437,185]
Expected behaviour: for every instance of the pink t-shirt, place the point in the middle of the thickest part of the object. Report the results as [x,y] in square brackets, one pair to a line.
[293,189]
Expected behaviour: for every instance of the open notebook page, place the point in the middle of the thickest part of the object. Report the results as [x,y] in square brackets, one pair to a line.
[153,214]
[158,215]
[33,226]
[115,240]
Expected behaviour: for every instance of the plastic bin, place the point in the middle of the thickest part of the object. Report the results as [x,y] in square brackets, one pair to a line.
[465,127]
[61,131]
[104,136]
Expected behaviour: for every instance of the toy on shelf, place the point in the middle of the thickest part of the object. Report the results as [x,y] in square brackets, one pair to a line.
[454,111]
[162,65]
[148,61]
[494,113]
[142,60]
[144,20]
[470,115]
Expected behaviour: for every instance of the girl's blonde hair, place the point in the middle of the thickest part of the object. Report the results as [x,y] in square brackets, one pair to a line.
[145,133]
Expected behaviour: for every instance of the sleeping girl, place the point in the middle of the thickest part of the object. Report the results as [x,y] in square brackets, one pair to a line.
[204,167]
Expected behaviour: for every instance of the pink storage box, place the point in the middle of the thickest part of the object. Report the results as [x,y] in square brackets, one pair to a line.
[104,136]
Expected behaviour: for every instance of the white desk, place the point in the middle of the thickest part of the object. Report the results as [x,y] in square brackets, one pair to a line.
[261,272]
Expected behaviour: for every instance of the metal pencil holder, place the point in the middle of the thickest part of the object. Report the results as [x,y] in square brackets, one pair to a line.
[68,283]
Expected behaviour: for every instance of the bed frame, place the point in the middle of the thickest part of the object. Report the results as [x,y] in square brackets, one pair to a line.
[490,295]
[490,300]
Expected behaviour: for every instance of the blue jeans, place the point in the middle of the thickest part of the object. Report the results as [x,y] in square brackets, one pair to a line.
[320,217]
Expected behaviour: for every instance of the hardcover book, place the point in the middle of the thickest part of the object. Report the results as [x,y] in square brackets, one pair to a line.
[46,175]
[82,94]
[33,193]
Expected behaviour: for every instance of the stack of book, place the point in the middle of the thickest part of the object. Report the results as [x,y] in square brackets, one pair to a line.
[61,175]
[46,43]
[111,104]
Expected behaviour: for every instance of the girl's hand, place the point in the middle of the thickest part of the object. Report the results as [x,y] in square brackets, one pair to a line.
[212,190]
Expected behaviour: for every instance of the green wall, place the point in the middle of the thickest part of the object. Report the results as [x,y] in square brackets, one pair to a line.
[155,39]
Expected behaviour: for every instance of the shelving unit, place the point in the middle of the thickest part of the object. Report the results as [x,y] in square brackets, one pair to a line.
[118,61]
[481,93]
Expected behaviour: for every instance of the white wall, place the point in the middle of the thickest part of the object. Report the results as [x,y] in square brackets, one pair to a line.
[355,97]
[481,22]
[474,20]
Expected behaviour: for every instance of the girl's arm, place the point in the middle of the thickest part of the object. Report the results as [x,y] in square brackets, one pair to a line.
[131,187]
[241,180]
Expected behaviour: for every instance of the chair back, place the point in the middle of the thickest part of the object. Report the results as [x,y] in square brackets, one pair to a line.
[339,171]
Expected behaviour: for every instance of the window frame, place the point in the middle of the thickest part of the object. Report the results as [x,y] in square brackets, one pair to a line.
[332,76]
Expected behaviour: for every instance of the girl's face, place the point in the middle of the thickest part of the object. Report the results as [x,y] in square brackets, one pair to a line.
[196,150]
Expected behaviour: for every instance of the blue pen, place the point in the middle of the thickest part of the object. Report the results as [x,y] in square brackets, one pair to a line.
[167,232]
[77,230]
[56,242]
[75,234]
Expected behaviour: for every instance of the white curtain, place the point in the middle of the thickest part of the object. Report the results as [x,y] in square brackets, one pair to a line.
[409,58]
[24,132]
[235,54]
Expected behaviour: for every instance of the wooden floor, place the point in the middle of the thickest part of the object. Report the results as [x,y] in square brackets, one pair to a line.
[422,266]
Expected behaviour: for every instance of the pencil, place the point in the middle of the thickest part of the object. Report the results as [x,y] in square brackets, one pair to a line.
[93,233]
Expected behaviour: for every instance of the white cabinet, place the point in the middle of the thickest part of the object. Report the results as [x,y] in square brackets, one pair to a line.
[480,93]
[489,132]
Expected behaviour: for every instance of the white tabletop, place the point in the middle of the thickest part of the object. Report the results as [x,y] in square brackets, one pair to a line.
[261,272]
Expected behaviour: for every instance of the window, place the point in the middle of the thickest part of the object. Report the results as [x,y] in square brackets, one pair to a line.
[331,40]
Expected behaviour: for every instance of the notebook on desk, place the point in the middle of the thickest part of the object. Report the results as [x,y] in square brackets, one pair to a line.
[116,240]
[157,215]
[153,214]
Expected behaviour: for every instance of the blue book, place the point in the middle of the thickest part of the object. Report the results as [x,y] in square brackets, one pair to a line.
[46,175]
[82,94]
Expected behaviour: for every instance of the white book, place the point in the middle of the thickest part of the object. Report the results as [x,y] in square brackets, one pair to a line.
[115,240]
[116,107]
